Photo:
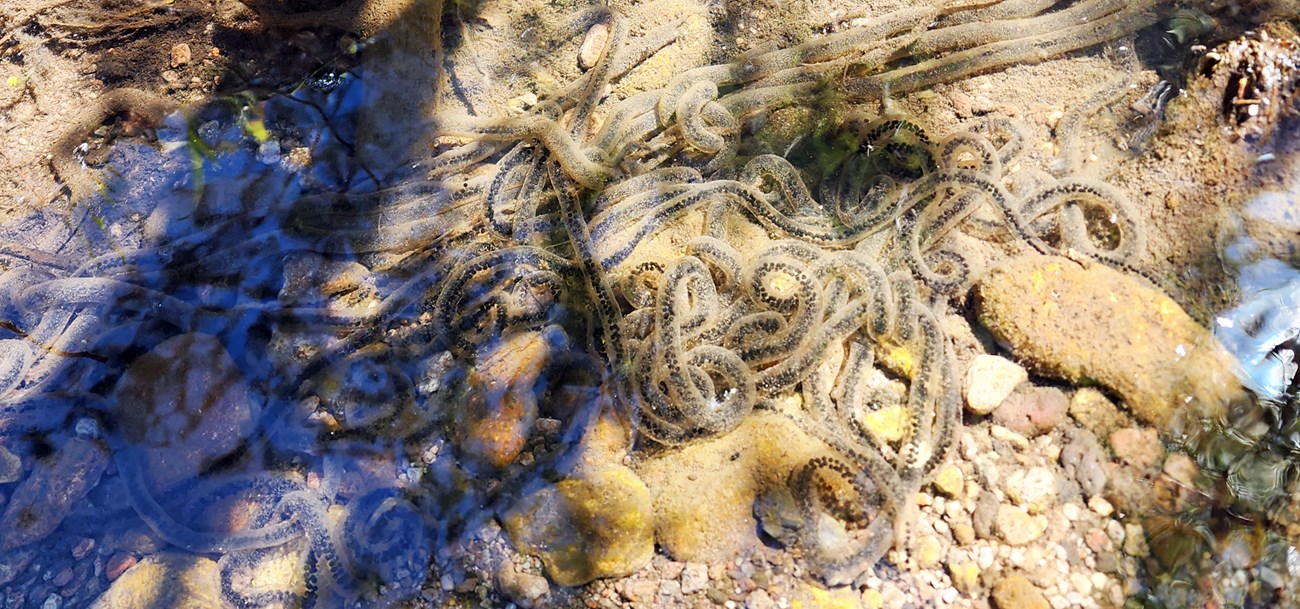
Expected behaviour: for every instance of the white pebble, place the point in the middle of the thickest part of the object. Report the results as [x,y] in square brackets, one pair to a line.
[1099,581]
[1099,505]
[1081,583]
[989,380]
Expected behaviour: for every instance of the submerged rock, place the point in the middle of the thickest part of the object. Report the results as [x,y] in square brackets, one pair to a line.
[1095,324]
[704,493]
[501,405]
[598,525]
[168,580]
[1017,592]
[1093,410]
[11,467]
[41,502]
[187,404]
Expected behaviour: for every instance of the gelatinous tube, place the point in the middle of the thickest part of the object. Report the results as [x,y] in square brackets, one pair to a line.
[1068,197]
[998,10]
[595,280]
[456,290]
[752,68]
[687,390]
[129,463]
[722,260]
[690,117]
[1070,128]
[520,156]
[785,286]
[576,161]
[971,152]
[974,34]
[15,358]
[1031,49]
[83,291]
[1006,134]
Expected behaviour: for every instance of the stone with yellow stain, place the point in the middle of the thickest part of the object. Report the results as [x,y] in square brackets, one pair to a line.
[949,481]
[896,358]
[872,599]
[704,493]
[1093,410]
[888,424]
[1096,324]
[965,576]
[928,551]
[501,403]
[166,581]
[606,440]
[963,533]
[585,528]
[809,596]
[1017,592]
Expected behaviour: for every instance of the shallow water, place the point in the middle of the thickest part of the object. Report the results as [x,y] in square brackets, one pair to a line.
[330,337]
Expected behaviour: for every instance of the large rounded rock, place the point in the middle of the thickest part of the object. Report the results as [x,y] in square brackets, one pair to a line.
[187,404]
[704,492]
[168,580]
[597,525]
[1095,324]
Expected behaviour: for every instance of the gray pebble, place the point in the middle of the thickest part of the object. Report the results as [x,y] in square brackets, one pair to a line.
[1083,458]
[986,511]
[695,577]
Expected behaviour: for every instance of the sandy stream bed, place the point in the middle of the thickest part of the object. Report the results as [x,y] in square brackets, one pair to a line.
[1045,499]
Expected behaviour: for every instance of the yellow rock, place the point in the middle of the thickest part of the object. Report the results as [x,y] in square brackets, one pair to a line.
[808,596]
[606,440]
[1016,592]
[896,358]
[500,409]
[597,525]
[888,424]
[928,552]
[872,599]
[965,577]
[949,481]
[1096,324]
[704,493]
[166,581]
